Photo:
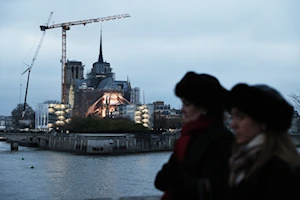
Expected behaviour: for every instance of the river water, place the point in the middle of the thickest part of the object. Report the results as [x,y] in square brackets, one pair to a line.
[38,174]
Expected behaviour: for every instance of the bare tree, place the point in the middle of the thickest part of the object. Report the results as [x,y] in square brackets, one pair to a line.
[296,99]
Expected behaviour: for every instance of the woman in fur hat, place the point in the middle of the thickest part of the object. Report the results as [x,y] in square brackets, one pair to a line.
[265,162]
[199,161]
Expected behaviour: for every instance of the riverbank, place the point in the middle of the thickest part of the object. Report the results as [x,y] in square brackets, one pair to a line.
[121,143]
[100,143]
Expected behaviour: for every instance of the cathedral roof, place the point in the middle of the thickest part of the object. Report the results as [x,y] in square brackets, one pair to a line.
[108,84]
[79,82]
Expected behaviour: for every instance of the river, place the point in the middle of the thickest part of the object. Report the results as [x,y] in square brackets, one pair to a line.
[36,174]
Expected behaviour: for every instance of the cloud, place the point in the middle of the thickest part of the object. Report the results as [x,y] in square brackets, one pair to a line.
[250,41]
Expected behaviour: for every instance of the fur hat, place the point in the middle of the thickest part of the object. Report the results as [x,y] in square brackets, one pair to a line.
[202,90]
[264,104]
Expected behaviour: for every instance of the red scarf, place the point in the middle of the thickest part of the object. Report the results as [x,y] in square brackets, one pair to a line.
[188,130]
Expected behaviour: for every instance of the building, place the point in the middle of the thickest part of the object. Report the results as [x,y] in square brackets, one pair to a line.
[74,71]
[6,123]
[52,114]
[100,95]
[165,118]
[97,95]
[162,109]
[135,96]
[140,114]
[126,89]
[127,111]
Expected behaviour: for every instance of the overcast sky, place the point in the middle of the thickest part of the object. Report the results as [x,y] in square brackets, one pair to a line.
[251,41]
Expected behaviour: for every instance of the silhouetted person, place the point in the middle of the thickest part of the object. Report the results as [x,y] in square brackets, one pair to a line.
[265,162]
[198,167]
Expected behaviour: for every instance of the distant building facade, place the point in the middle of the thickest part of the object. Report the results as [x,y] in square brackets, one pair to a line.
[52,114]
[165,118]
[135,96]
[74,71]
[139,113]
[6,122]
[100,95]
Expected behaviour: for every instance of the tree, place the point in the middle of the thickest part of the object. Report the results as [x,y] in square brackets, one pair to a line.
[106,125]
[296,121]
[16,115]
[296,99]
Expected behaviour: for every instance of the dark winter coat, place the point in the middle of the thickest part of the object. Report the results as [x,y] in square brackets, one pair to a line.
[275,180]
[206,158]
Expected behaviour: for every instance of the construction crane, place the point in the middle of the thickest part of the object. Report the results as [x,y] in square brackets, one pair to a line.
[31,65]
[66,26]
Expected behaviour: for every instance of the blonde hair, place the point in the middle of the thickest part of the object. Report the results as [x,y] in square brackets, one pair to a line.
[276,144]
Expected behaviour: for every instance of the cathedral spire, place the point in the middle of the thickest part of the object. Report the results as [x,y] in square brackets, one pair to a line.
[100,59]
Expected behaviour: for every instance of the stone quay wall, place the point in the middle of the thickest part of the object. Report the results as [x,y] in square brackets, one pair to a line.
[109,143]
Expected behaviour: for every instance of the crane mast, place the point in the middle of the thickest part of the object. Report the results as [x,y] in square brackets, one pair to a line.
[66,26]
[31,65]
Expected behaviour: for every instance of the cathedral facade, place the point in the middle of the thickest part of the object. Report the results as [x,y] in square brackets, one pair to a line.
[99,94]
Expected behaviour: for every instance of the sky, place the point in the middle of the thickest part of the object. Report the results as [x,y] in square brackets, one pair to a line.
[249,41]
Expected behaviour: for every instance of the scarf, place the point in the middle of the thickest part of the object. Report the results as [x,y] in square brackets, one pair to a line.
[243,159]
[188,130]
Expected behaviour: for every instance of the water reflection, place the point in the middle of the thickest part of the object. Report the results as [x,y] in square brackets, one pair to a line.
[58,175]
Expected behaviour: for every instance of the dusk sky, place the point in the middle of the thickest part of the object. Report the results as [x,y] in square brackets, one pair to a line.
[251,41]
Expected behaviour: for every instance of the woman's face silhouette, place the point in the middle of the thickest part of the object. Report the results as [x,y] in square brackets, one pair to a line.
[190,112]
[244,127]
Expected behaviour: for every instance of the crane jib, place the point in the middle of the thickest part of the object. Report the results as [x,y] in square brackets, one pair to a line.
[102,19]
